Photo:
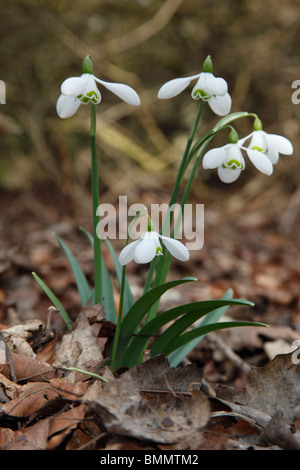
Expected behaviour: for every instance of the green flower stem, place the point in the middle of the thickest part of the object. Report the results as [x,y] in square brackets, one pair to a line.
[119,320]
[200,146]
[184,160]
[96,218]
[121,303]
[164,268]
[175,191]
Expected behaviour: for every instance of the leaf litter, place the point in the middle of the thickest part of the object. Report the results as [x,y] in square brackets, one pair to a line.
[151,405]
[232,392]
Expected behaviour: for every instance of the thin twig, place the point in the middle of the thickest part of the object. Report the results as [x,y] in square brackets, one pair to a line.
[213,339]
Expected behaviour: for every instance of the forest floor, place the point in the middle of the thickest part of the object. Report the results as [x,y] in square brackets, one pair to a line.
[237,390]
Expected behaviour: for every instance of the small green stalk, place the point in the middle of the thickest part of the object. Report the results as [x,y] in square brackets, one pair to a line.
[96,218]
[119,320]
[92,374]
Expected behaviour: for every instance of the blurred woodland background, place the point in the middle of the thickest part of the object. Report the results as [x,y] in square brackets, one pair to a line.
[45,161]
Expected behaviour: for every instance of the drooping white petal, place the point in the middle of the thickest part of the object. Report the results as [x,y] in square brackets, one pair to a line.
[279,143]
[127,254]
[259,141]
[214,158]
[228,175]
[176,248]
[214,85]
[174,87]
[125,92]
[220,105]
[66,106]
[260,161]
[273,155]
[73,86]
[148,247]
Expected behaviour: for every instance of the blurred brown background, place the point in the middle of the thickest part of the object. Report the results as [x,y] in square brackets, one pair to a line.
[254,46]
[45,161]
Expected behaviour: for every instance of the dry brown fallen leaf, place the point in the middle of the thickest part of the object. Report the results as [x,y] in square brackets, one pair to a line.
[33,438]
[45,434]
[159,414]
[271,388]
[27,368]
[80,349]
[17,336]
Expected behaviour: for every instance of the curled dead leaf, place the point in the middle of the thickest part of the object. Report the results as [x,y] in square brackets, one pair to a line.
[18,336]
[150,415]
[270,388]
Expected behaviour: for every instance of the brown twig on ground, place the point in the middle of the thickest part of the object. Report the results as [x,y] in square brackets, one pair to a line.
[217,342]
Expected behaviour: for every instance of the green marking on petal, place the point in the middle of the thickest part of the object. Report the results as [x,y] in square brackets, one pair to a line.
[198,93]
[158,251]
[90,96]
[233,164]
[256,147]
[84,100]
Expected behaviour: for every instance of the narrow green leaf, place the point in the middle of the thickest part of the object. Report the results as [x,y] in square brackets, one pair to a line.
[108,300]
[88,235]
[179,354]
[193,311]
[128,297]
[54,300]
[81,281]
[137,312]
[203,330]
[180,325]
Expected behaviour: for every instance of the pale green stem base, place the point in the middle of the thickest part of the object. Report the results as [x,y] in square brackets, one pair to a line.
[96,218]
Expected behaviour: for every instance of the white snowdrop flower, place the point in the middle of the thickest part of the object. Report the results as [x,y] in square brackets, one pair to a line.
[83,89]
[230,162]
[209,88]
[148,246]
[270,145]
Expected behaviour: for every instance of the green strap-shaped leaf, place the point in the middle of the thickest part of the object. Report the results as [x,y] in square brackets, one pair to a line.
[193,311]
[54,300]
[201,331]
[108,301]
[81,281]
[128,297]
[188,319]
[88,235]
[137,312]
[177,356]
